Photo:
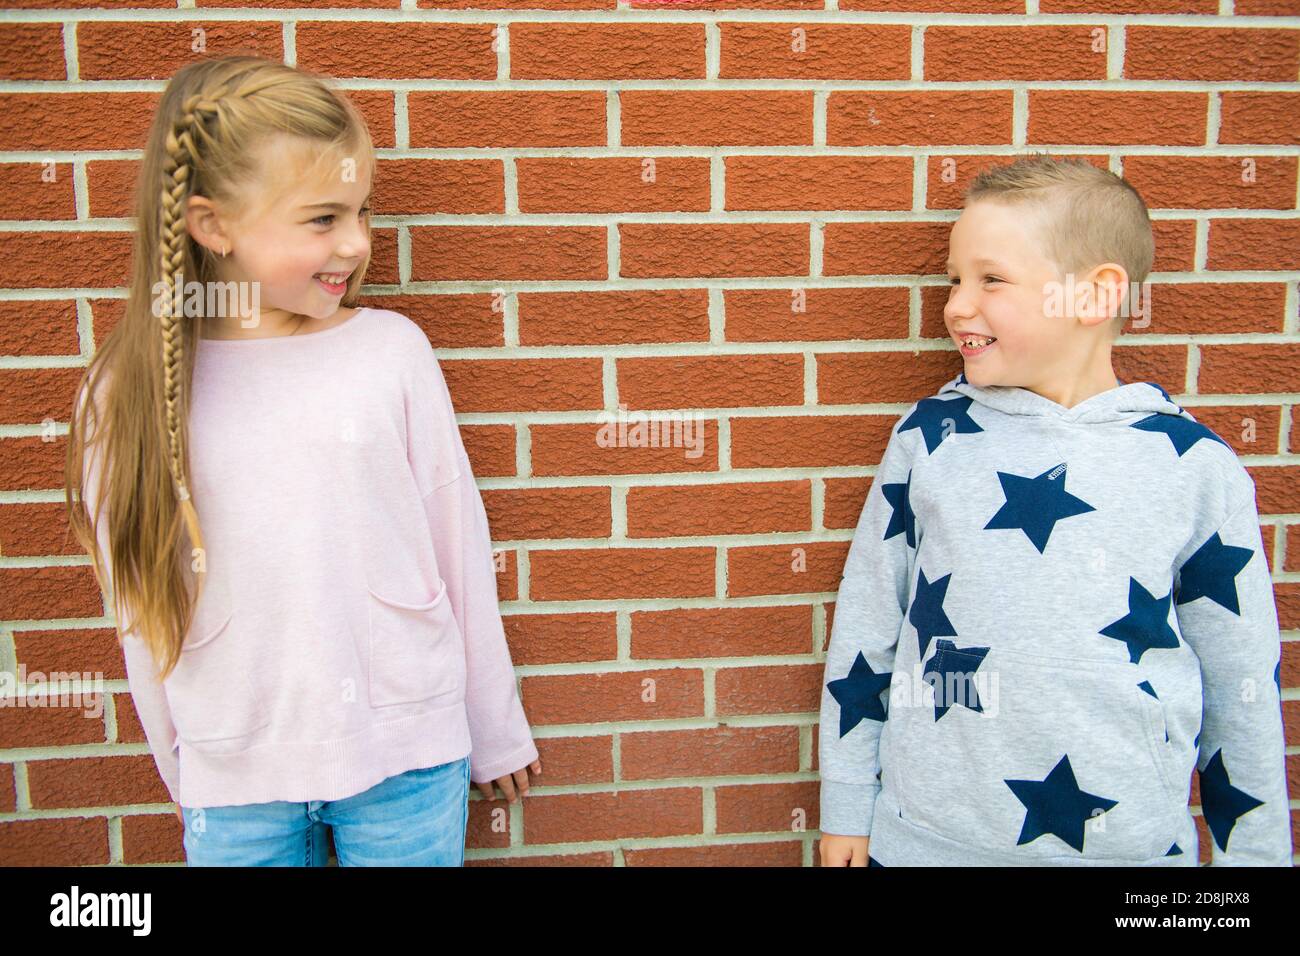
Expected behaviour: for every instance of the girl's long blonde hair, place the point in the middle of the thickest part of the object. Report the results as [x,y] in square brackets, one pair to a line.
[203,142]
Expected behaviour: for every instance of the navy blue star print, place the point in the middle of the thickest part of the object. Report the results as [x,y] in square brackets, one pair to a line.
[1183,432]
[926,613]
[951,673]
[1146,625]
[938,418]
[1034,505]
[1211,572]
[1175,850]
[1057,805]
[1221,802]
[904,518]
[859,694]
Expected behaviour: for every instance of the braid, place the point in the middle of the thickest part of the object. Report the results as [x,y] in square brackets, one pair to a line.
[180,156]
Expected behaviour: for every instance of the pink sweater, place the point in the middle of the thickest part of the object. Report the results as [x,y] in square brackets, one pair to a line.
[349,630]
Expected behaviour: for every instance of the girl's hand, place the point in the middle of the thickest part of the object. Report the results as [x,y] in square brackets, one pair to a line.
[844,850]
[509,782]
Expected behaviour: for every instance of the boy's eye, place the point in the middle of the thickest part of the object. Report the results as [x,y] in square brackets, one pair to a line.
[992,279]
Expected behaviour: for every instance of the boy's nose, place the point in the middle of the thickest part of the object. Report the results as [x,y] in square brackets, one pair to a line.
[958,305]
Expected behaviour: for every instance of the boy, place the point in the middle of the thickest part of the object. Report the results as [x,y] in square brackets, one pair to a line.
[1069,567]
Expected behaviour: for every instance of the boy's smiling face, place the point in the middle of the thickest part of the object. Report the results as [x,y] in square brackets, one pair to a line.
[998,274]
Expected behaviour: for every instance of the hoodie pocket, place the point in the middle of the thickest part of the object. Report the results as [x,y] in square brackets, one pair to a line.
[214,692]
[416,651]
[1057,758]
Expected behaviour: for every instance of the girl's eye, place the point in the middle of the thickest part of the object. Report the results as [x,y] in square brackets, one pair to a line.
[992,279]
[324,220]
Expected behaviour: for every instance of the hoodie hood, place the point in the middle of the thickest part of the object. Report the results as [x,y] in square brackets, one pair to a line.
[1125,402]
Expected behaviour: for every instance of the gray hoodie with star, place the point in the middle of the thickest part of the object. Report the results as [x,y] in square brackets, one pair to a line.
[1049,617]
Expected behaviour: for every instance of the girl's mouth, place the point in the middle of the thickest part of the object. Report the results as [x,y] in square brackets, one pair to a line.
[335,283]
[973,345]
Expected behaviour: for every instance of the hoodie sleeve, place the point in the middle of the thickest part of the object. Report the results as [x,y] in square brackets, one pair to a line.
[500,739]
[1226,612]
[868,617]
[147,691]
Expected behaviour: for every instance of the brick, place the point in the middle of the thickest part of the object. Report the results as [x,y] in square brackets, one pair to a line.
[817,51]
[711,381]
[682,445]
[675,692]
[505,253]
[33,121]
[722,632]
[709,752]
[805,441]
[769,689]
[561,638]
[1248,368]
[32,51]
[794,568]
[885,248]
[1251,117]
[713,250]
[828,314]
[1239,55]
[588,574]
[422,187]
[122,50]
[743,508]
[405,50]
[852,378]
[619,184]
[1254,244]
[818,182]
[613,317]
[962,53]
[1213,182]
[1117,119]
[607,51]
[580,817]
[506,118]
[491,385]
[929,118]
[539,513]
[716,117]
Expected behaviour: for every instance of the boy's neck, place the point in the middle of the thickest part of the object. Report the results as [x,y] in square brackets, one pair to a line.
[1069,392]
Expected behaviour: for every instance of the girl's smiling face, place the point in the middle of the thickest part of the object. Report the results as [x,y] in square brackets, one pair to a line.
[998,282]
[308,225]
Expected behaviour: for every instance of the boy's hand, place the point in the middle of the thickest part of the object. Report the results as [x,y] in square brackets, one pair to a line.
[844,850]
[509,781]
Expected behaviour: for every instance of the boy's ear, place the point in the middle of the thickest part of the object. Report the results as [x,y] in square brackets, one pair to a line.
[1109,287]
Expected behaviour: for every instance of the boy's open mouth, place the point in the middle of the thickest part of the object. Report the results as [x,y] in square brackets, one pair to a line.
[975,344]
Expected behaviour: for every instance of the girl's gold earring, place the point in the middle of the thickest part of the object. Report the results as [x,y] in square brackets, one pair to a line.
[223,250]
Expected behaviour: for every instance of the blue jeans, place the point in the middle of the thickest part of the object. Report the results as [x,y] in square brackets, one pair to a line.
[416,818]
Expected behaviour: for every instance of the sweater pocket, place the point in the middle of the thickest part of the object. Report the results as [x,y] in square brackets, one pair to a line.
[1050,758]
[416,651]
[214,692]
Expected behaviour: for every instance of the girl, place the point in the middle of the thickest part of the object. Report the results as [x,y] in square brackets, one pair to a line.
[323,649]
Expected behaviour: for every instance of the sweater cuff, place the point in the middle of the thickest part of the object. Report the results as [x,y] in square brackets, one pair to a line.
[847,808]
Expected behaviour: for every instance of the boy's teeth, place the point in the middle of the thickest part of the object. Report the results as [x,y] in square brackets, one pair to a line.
[975,343]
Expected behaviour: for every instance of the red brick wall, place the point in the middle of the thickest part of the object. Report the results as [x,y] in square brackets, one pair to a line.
[518,223]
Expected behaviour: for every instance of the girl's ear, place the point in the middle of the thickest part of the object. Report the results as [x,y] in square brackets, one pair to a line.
[204,224]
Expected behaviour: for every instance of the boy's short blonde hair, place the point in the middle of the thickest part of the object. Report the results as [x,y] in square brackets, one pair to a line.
[1089,215]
